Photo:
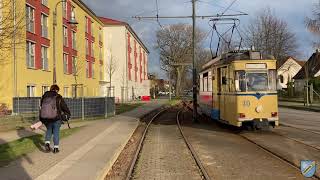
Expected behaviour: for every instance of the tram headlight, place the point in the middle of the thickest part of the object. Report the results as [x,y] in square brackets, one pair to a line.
[259,109]
[274,114]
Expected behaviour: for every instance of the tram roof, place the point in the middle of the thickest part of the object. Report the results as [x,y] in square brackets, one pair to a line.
[231,56]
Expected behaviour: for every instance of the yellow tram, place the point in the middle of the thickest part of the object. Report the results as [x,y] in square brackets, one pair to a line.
[239,88]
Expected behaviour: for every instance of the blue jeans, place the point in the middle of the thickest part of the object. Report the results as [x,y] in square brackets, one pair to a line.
[53,128]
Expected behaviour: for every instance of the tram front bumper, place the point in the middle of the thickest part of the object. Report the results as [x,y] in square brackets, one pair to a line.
[273,119]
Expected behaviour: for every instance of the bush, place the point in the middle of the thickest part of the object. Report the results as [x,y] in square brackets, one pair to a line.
[4,110]
[316,84]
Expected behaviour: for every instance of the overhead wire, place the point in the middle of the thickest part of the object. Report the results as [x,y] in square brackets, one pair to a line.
[228,7]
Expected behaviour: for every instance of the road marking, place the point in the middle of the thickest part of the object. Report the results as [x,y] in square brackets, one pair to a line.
[70,160]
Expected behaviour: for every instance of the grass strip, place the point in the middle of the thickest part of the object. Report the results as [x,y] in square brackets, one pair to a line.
[18,148]
[122,108]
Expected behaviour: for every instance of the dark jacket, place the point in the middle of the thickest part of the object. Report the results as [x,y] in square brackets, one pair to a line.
[61,106]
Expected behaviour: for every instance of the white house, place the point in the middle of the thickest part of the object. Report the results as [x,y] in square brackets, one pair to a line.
[287,70]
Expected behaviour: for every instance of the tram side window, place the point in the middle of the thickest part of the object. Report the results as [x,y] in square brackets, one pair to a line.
[240,81]
[272,80]
[201,84]
[210,84]
[205,81]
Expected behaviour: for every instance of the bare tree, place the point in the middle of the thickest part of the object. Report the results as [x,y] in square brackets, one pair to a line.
[175,45]
[12,24]
[111,68]
[271,35]
[77,68]
[313,24]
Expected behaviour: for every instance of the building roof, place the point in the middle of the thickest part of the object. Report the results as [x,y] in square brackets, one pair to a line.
[281,61]
[109,21]
[81,4]
[113,22]
[312,65]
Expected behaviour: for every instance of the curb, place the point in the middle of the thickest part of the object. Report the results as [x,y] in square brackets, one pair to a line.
[300,108]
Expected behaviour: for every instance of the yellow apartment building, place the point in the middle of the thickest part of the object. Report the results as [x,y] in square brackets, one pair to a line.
[27,69]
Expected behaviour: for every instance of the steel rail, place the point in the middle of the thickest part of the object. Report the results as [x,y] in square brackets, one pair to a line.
[296,140]
[193,153]
[275,155]
[302,129]
[134,161]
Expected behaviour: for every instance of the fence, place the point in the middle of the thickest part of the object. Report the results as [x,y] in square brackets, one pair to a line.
[79,107]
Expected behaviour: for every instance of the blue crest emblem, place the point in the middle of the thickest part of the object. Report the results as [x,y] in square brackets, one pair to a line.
[308,168]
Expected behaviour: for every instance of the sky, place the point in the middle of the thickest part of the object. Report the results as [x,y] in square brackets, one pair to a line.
[291,11]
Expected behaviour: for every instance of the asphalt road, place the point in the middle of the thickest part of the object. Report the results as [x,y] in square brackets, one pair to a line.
[300,119]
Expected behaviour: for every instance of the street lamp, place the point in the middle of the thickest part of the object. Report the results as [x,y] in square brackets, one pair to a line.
[72,21]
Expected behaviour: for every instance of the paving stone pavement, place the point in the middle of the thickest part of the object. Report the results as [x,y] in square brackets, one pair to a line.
[165,156]
[87,154]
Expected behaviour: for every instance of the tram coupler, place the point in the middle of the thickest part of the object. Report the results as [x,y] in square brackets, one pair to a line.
[260,124]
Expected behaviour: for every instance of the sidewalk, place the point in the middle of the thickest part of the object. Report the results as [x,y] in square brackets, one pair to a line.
[87,154]
[300,106]
[13,135]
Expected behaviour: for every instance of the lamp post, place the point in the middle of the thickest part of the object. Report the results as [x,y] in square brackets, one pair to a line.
[72,21]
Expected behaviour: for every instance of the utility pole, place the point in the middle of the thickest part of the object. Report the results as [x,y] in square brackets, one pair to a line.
[194,70]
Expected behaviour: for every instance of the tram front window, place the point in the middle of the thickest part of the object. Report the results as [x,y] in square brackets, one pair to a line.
[255,81]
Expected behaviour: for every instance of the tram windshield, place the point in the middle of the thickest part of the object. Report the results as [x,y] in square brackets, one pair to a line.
[255,81]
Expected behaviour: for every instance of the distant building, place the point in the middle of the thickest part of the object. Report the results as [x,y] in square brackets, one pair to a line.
[311,69]
[287,69]
[127,57]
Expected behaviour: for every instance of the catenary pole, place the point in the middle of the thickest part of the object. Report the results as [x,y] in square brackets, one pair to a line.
[194,70]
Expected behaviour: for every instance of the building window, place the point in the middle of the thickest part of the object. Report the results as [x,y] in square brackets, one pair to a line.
[64,9]
[87,47]
[74,43]
[100,35]
[44,58]
[92,28]
[44,2]
[101,74]
[66,91]
[92,71]
[44,25]
[65,36]
[100,53]
[87,69]
[31,89]
[74,65]
[30,50]
[30,19]
[87,25]
[45,89]
[92,49]
[65,63]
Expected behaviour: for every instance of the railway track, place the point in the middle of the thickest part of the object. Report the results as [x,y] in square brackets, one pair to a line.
[271,152]
[275,155]
[298,141]
[203,173]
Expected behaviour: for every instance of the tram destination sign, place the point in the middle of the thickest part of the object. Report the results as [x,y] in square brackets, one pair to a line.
[256,66]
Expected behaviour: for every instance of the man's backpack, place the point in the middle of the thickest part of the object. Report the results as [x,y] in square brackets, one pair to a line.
[49,108]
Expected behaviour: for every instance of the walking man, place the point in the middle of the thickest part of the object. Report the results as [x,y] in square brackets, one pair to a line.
[53,110]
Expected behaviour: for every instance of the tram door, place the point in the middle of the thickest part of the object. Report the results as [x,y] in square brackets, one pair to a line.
[222,90]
